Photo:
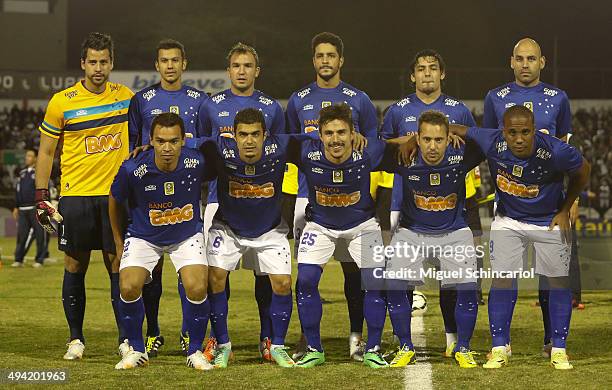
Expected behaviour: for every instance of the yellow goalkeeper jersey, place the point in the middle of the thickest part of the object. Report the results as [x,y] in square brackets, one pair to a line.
[94,129]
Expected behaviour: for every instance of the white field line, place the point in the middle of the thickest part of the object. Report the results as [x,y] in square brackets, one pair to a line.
[419,376]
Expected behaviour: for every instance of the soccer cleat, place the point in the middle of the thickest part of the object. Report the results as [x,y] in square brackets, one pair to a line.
[508,351]
[198,361]
[184,340]
[311,358]
[17,264]
[546,349]
[374,359]
[281,357]
[403,357]
[210,349]
[75,350]
[132,359]
[449,352]
[498,359]
[153,345]
[300,349]
[560,361]
[356,347]
[264,350]
[37,265]
[465,358]
[124,348]
[222,355]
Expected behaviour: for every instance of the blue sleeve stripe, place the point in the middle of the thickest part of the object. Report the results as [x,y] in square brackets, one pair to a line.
[86,111]
[50,129]
[48,126]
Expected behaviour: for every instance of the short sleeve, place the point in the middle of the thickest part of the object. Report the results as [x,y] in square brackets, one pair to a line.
[489,119]
[368,119]
[292,120]
[278,122]
[484,138]
[53,124]
[376,151]
[204,126]
[567,158]
[564,118]
[387,130]
[119,188]
[397,193]
[467,117]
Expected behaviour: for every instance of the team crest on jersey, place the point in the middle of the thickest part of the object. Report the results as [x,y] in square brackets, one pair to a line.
[434,179]
[174,109]
[529,105]
[337,176]
[249,170]
[169,188]
[325,104]
[517,170]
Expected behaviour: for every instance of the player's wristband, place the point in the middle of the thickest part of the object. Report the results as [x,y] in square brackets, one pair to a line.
[41,195]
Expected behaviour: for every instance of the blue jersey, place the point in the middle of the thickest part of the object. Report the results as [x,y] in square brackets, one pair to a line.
[164,206]
[528,190]
[250,194]
[339,194]
[402,119]
[218,113]
[550,107]
[304,106]
[154,100]
[435,194]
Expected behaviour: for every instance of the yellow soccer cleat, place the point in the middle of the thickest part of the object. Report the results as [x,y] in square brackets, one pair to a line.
[465,359]
[403,357]
[560,361]
[498,358]
[448,353]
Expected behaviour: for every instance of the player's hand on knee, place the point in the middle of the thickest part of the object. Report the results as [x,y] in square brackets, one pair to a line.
[45,212]
[561,219]
[138,150]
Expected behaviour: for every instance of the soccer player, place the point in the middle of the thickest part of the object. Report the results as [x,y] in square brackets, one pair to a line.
[169,95]
[250,173]
[91,118]
[427,71]
[551,110]
[528,168]
[302,117]
[217,117]
[433,217]
[162,189]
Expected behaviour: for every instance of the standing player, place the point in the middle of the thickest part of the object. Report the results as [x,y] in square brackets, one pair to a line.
[432,216]
[427,71]
[169,95]
[216,117]
[302,117]
[91,118]
[528,168]
[162,189]
[551,110]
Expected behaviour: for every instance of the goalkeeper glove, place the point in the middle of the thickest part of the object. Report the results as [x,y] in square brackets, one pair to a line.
[45,212]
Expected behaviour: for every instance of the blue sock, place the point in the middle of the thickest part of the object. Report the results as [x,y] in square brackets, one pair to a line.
[280,313]
[151,294]
[195,317]
[218,316]
[560,306]
[354,300]
[375,310]
[466,312]
[310,308]
[263,296]
[227,294]
[514,298]
[183,296]
[73,299]
[114,283]
[500,311]
[448,302]
[543,298]
[132,317]
[399,303]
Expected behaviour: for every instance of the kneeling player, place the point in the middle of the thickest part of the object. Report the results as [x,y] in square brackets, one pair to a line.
[433,227]
[162,188]
[528,168]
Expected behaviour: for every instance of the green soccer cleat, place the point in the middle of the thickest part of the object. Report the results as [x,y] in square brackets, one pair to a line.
[222,355]
[374,359]
[153,345]
[449,352]
[311,358]
[184,341]
[281,357]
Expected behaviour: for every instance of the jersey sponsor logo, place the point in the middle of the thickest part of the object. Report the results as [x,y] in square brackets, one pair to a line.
[265,101]
[103,143]
[543,154]
[503,92]
[303,93]
[223,113]
[229,153]
[517,189]
[338,200]
[529,105]
[193,94]
[325,104]
[80,113]
[175,110]
[308,107]
[317,170]
[169,188]
[218,98]
[455,159]
[71,94]
[411,118]
[251,191]
[450,102]
[171,216]
[191,162]
[349,92]
[270,149]
[226,131]
[151,187]
[156,111]
[357,156]
[508,105]
[414,178]
[501,146]
[149,95]
[114,87]
[314,156]
[435,203]
[403,102]
[550,92]
[140,171]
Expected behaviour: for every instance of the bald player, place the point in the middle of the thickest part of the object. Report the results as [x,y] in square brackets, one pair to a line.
[551,111]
